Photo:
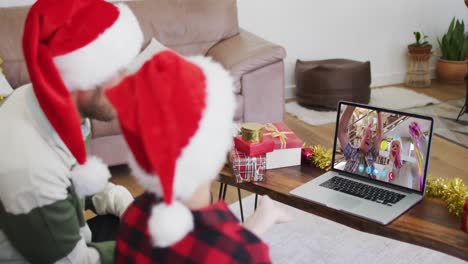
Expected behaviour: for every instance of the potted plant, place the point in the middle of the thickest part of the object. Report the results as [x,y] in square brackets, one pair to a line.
[452,65]
[466,44]
[421,46]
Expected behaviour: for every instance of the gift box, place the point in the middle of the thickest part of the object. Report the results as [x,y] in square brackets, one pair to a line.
[247,168]
[254,149]
[464,224]
[287,151]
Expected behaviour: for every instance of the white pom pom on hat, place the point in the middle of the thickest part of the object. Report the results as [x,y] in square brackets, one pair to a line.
[91,177]
[168,224]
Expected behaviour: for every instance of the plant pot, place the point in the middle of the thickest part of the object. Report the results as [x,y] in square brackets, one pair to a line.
[452,72]
[413,49]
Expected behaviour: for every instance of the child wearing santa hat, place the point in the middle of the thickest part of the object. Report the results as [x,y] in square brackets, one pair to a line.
[396,169]
[176,116]
[73,50]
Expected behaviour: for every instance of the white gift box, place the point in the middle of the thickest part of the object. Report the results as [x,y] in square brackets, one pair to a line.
[283,158]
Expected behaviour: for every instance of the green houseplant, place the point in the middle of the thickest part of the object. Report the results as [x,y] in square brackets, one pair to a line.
[466,45]
[452,65]
[421,45]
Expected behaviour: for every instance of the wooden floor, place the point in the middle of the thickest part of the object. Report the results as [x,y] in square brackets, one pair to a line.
[447,159]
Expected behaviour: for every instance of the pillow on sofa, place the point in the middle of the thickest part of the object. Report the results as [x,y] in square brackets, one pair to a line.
[153,47]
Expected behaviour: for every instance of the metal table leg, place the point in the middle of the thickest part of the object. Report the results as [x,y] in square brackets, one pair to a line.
[256,198]
[221,185]
[240,205]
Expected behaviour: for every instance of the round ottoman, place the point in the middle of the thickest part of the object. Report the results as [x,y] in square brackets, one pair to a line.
[321,84]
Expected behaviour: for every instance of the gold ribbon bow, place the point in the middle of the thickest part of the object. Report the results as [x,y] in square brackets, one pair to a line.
[274,132]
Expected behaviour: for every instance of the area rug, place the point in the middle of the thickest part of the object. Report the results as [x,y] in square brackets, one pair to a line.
[388,97]
[445,124]
[312,239]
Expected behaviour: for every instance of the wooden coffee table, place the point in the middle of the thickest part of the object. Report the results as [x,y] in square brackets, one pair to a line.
[427,224]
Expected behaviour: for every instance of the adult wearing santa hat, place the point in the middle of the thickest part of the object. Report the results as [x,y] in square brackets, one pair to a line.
[73,49]
[176,116]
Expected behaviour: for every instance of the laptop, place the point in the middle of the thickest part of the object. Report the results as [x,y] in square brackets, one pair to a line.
[379,165]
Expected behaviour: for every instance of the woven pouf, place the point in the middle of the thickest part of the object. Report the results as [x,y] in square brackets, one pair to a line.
[321,84]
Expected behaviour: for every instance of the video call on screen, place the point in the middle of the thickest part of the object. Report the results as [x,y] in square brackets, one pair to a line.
[384,146]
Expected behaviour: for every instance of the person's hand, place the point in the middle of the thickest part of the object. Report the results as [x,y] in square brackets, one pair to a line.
[266,215]
[114,200]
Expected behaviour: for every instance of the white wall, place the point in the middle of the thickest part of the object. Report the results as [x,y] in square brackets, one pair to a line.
[375,30]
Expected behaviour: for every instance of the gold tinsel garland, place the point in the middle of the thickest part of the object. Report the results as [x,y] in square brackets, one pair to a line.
[319,156]
[453,191]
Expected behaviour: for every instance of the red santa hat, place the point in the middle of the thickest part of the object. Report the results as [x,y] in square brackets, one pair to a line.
[176,116]
[77,45]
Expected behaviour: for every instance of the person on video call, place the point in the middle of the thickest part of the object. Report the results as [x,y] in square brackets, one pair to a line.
[406,173]
[401,175]
[366,153]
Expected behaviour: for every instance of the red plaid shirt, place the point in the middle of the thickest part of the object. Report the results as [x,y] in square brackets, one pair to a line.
[217,238]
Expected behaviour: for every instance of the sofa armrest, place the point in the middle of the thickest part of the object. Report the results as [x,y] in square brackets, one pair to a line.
[244,53]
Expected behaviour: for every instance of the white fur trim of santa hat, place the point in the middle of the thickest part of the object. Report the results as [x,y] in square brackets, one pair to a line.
[168,224]
[215,126]
[91,177]
[101,60]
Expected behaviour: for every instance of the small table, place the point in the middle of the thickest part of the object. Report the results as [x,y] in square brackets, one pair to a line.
[427,224]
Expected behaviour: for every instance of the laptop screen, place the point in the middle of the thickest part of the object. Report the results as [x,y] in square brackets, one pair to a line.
[383,145]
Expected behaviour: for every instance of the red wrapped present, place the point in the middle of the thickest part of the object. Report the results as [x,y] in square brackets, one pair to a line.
[287,146]
[464,223]
[247,168]
[254,149]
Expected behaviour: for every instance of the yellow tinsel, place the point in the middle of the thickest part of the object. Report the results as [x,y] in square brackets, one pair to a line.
[453,191]
[322,157]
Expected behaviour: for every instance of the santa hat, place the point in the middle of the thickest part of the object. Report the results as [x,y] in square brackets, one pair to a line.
[77,45]
[176,116]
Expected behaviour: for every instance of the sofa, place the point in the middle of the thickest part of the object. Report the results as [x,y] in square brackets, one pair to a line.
[201,27]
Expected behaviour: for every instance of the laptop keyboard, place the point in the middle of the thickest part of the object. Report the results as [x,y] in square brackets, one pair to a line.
[362,190]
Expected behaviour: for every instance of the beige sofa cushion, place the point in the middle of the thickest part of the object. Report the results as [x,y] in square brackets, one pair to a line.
[245,53]
[189,27]
[11,32]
